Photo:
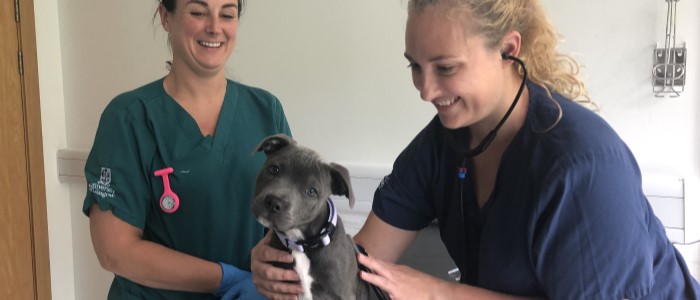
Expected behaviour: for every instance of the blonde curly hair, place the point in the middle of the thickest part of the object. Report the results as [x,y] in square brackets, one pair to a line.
[556,72]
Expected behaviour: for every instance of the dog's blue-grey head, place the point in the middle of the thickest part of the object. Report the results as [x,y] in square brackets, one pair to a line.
[292,186]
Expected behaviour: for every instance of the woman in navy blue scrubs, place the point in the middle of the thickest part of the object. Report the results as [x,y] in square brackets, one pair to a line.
[535,195]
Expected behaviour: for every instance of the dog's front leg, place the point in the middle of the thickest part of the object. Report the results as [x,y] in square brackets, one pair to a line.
[302,265]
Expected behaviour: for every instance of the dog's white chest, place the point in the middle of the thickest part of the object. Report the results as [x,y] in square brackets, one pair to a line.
[302,265]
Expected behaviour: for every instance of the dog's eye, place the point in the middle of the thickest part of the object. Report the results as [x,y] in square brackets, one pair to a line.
[311,192]
[274,170]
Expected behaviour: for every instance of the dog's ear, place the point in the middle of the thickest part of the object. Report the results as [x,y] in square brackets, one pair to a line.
[273,143]
[340,183]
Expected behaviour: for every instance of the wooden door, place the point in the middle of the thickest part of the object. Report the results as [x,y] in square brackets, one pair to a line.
[24,267]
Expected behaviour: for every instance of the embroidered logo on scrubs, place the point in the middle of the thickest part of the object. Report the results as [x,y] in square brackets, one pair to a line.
[101,187]
[105,176]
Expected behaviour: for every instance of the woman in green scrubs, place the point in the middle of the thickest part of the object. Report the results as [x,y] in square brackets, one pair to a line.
[170,175]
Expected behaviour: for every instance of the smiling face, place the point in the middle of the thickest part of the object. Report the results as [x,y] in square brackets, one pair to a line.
[454,70]
[202,33]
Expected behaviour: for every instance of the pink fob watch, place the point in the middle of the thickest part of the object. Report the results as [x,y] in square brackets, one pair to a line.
[169,202]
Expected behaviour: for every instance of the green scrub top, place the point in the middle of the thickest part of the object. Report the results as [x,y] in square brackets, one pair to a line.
[146,130]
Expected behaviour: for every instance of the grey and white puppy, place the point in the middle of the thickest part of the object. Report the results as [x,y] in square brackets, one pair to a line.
[292,193]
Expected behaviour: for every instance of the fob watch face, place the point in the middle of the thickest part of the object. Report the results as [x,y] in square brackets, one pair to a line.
[168,202]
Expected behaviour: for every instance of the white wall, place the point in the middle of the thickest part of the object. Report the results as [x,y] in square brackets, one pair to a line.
[342,75]
[615,40]
[338,68]
[53,119]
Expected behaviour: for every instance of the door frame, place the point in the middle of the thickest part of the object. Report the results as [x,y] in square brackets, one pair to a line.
[35,153]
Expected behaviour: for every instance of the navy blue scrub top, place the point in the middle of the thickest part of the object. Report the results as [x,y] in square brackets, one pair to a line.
[567,218]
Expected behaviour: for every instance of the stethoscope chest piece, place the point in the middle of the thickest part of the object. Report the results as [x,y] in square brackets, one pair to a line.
[169,201]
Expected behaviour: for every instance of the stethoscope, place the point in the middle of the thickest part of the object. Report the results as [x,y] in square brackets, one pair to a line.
[489,138]
[462,169]
[169,201]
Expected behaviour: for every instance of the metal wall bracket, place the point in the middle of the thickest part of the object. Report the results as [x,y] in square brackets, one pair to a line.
[668,73]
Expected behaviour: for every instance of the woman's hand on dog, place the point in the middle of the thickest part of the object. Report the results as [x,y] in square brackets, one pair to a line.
[273,282]
[402,282]
[399,281]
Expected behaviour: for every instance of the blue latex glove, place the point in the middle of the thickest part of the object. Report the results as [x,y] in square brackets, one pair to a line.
[237,284]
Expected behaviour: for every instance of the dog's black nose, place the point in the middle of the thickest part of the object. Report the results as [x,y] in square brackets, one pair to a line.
[273,204]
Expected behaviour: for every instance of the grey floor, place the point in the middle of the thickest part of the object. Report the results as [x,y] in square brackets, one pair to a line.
[427,254]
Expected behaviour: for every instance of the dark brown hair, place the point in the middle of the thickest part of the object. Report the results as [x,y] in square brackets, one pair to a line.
[170,5]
